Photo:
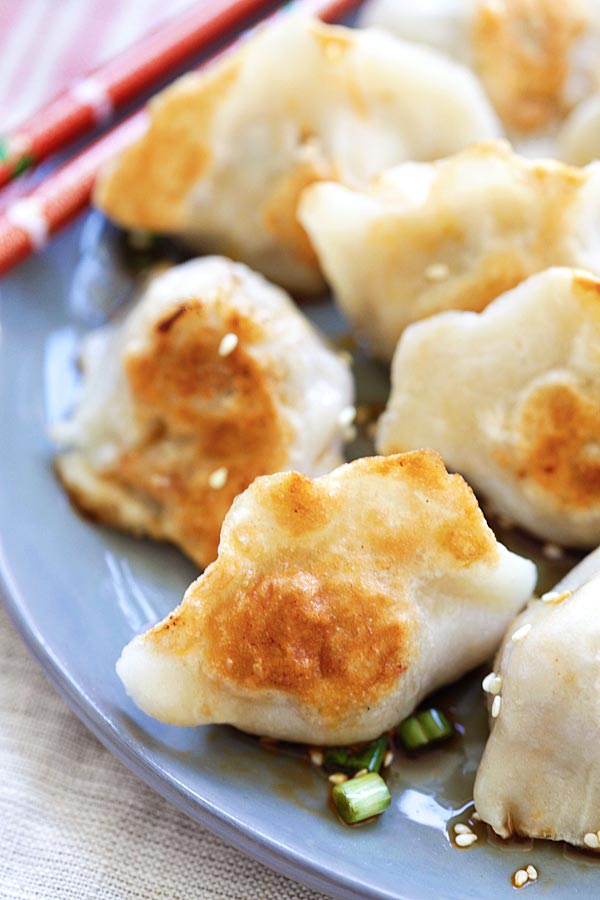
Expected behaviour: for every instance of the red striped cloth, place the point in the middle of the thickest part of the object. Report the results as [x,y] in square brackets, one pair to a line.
[27,223]
[46,44]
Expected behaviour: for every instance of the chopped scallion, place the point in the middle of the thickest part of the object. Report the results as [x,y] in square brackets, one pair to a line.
[436,725]
[412,734]
[344,759]
[362,797]
[424,728]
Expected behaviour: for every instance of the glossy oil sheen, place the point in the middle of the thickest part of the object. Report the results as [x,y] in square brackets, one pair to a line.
[78,592]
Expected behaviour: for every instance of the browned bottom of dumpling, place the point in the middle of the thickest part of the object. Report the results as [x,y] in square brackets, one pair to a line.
[334,606]
[212,379]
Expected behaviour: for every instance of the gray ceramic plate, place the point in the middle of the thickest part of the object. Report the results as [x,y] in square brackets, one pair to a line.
[79,592]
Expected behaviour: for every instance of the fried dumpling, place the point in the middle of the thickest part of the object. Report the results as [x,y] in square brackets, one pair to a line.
[540,772]
[211,379]
[228,151]
[511,398]
[334,605]
[441,24]
[449,235]
[536,58]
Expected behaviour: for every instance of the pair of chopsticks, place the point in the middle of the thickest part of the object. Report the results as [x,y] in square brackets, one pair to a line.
[28,222]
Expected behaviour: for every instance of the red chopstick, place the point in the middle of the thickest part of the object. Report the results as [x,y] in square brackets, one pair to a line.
[27,224]
[92,100]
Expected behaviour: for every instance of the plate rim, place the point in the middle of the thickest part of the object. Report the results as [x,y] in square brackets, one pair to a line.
[263,849]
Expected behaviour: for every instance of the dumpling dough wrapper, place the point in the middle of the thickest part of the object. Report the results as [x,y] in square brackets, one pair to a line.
[228,151]
[537,59]
[455,234]
[540,772]
[511,398]
[212,378]
[334,606]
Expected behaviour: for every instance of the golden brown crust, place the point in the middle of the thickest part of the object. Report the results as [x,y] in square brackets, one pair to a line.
[522,52]
[559,428]
[280,209]
[332,629]
[147,186]
[556,188]
[328,643]
[541,216]
[457,527]
[499,271]
[560,451]
[101,508]
[202,412]
[148,183]
[302,507]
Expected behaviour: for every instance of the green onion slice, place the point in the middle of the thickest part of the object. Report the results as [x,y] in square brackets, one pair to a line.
[348,760]
[361,798]
[424,728]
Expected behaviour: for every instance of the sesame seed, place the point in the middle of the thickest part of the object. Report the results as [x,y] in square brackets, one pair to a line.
[437,272]
[388,759]
[521,633]
[496,685]
[553,551]
[345,421]
[496,706]
[316,757]
[338,778]
[465,840]
[487,681]
[476,817]
[555,597]
[532,872]
[492,683]
[228,344]
[361,772]
[461,828]
[520,878]
[347,416]
[218,478]
[591,840]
